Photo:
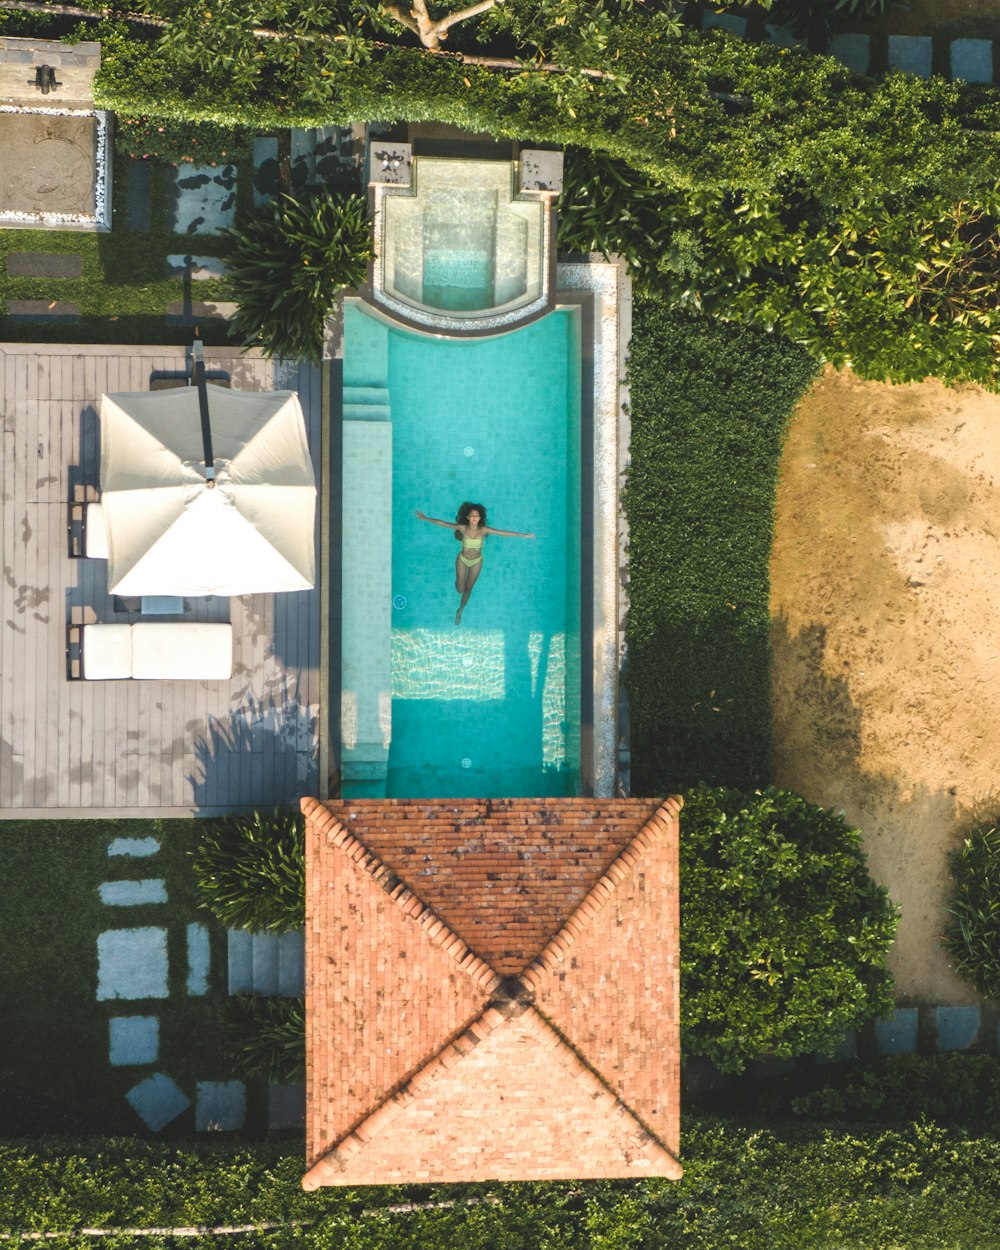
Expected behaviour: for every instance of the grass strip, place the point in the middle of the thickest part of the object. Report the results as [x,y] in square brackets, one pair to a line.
[710,403]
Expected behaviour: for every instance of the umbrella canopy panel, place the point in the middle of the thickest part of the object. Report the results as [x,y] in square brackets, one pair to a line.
[172,533]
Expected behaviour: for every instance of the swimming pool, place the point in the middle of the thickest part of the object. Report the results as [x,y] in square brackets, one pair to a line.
[492,707]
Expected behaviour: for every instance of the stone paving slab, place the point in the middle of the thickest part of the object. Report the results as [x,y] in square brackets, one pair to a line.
[139,180]
[203,199]
[972,59]
[137,848]
[897,1035]
[782,36]
[239,961]
[133,893]
[854,51]
[957,1027]
[292,964]
[53,311]
[199,959]
[220,1106]
[724,21]
[44,265]
[265,963]
[133,1040]
[265,169]
[911,54]
[844,1051]
[157,1100]
[132,964]
[286,1106]
[198,268]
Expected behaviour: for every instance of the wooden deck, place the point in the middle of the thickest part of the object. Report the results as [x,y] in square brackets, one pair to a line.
[135,748]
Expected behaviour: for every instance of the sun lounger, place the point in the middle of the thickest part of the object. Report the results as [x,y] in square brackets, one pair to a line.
[151,651]
[87,534]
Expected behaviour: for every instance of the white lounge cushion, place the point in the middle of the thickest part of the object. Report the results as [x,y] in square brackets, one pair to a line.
[95,534]
[182,650]
[107,652]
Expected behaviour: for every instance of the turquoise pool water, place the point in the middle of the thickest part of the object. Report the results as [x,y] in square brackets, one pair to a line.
[490,707]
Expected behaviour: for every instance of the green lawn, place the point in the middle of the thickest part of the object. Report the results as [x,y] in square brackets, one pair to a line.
[55,1033]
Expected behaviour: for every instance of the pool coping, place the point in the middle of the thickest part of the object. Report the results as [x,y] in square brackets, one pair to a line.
[601,289]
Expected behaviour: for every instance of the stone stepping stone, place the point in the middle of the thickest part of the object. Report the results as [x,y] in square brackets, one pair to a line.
[725,21]
[266,963]
[183,313]
[203,199]
[782,36]
[198,268]
[138,189]
[911,54]
[132,964]
[239,961]
[286,1106]
[957,1027]
[220,1106]
[265,170]
[898,1034]
[50,311]
[133,1040]
[972,59]
[199,958]
[133,893]
[44,265]
[157,1100]
[854,51]
[138,848]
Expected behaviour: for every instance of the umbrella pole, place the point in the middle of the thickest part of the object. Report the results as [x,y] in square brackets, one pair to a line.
[198,366]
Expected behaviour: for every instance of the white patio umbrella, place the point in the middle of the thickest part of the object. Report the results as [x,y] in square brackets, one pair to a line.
[174,527]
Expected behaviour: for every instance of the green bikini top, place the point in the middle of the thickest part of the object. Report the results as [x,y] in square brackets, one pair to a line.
[474,543]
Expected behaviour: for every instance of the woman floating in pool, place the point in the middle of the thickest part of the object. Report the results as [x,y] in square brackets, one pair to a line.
[470,529]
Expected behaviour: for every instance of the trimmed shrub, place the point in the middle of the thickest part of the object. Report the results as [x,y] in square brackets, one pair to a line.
[784,935]
[951,1089]
[709,407]
[266,1037]
[285,265]
[250,871]
[973,934]
[181,142]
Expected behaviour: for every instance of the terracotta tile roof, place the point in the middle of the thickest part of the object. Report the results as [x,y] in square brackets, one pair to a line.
[491,990]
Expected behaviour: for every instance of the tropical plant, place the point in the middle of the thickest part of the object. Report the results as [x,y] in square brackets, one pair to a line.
[285,265]
[250,871]
[973,934]
[266,1037]
[784,935]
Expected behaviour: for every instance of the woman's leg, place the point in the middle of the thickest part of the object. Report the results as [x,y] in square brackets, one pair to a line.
[465,589]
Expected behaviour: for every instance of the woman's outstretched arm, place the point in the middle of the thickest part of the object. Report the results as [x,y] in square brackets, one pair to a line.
[488,529]
[448,525]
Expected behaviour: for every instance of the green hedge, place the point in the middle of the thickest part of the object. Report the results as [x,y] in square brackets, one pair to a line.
[972,938]
[783,1188]
[709,406]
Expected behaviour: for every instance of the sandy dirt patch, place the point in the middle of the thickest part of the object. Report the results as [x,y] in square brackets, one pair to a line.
[885,609]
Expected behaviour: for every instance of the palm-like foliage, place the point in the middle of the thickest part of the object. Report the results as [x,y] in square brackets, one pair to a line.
[266,1037]
[973,935]
[286,264]
[250,871]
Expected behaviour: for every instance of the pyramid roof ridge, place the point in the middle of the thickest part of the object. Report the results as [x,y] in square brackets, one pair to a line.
[478,970]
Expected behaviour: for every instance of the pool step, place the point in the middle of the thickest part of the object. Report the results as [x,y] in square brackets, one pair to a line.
[366,403]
